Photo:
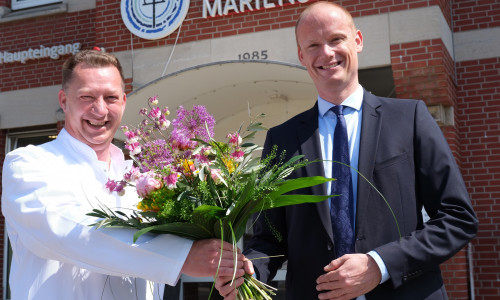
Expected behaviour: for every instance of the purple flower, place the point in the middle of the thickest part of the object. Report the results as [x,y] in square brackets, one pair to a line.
[155,155]
[194,123]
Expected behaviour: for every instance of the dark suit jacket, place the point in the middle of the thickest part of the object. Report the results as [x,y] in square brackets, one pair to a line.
[404,154]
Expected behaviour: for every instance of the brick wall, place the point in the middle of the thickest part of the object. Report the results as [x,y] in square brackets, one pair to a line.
[478,95]
[475,14]
[479,105]
[423,70]
[115,37]
[456,276]
[47,31]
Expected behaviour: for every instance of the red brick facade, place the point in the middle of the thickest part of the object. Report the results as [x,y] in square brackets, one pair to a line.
[479,109]
[422,70]
[475,14]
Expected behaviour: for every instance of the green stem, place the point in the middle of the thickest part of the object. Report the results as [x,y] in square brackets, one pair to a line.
[378,192]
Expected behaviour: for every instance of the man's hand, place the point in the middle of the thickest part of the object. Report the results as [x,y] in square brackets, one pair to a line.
[203,259]
[348,277]
[223,283]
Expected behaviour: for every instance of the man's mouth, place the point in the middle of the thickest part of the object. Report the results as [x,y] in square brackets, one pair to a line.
[331,66]
[94,123]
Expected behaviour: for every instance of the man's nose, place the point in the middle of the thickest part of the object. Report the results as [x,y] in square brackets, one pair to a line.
[327,49]
[100,106]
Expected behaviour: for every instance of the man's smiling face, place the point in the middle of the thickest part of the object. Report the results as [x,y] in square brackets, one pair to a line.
[328,45]
[94,102]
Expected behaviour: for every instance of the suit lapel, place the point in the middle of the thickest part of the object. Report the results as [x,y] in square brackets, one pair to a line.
[370,132]
[308,134]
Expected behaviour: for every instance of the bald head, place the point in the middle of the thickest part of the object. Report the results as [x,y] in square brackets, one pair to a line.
[321,6]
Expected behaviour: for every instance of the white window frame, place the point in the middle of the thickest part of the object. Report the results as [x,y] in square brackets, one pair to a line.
[20,4]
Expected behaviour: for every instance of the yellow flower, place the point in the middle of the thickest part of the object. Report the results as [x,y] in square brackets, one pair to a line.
[231,166]
[141,206]
[187,166]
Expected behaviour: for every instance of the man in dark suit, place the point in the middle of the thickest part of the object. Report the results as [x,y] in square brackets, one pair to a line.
[398,147]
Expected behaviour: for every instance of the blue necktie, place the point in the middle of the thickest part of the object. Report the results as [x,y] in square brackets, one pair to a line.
[341,208]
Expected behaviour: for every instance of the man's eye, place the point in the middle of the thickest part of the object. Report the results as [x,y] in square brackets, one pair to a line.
[337,40]
[112,98]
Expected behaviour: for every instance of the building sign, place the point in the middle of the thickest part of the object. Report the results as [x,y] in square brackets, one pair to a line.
[53,52]
[214,8]
[153,19]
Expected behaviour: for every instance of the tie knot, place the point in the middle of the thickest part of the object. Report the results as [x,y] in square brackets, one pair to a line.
[337,109]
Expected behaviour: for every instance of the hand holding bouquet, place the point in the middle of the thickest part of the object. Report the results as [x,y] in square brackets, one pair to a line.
[196,187]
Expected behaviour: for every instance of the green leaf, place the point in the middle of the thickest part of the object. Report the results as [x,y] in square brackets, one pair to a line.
[298,183]
[285,200]
[187,230]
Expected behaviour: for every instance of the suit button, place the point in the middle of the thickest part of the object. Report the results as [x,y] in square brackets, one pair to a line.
[330,246]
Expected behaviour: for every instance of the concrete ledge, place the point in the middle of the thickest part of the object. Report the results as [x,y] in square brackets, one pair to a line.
[6,15]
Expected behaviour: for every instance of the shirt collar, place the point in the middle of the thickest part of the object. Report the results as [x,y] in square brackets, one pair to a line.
[354,101]
[85,153]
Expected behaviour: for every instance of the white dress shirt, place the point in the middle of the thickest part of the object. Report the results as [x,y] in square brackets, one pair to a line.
[327,121]
[47,192]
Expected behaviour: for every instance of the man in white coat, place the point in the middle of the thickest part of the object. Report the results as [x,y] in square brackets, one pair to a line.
[48,189]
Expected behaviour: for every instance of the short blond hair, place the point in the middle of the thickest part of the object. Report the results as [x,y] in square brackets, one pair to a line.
[93,58]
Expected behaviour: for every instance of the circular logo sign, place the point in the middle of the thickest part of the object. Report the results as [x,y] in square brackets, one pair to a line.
[153,19]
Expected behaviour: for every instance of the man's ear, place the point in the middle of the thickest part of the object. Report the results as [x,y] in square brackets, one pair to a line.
[124,102]
[62,99]
[301,57]
[359,41]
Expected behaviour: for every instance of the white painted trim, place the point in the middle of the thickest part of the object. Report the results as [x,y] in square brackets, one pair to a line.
[20,4]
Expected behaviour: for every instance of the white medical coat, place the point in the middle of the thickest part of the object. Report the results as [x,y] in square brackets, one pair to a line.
[47,192]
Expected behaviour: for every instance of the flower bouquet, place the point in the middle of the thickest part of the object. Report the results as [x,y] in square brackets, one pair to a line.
[193,186]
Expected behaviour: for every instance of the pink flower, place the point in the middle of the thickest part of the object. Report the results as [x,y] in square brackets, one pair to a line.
[146,183]
[116,186]
[110,185]
[216,175]
[235,139]
[171,180]
[132,175]
[238,155]
[154,113]
[153,100]
[131,136]
[134,148]
[163,122]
